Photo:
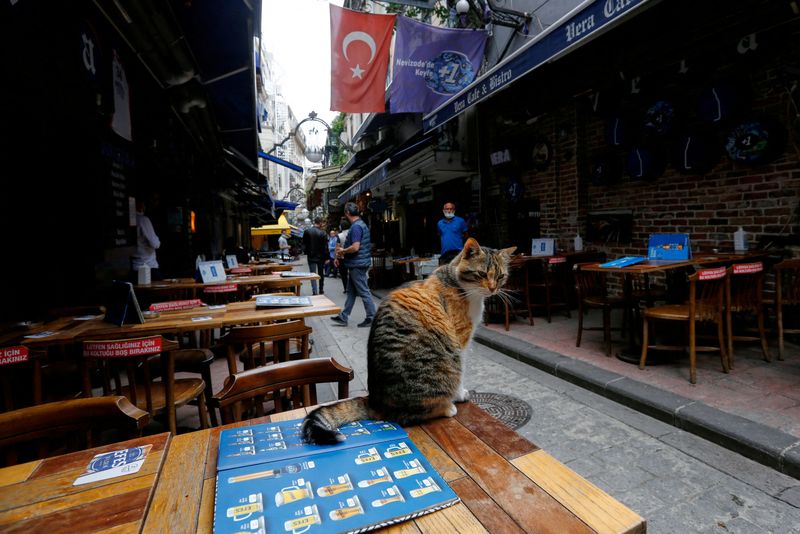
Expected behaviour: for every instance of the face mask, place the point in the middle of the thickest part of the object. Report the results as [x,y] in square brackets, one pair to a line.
[448,214]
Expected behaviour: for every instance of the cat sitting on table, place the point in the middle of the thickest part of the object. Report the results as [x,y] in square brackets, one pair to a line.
[415,345]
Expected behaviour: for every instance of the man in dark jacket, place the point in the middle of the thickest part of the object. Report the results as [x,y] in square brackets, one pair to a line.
[315,241]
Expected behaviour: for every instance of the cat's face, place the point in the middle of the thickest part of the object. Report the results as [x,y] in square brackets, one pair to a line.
[483,270]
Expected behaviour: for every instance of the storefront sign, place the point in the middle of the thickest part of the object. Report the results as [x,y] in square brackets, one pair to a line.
[545,47]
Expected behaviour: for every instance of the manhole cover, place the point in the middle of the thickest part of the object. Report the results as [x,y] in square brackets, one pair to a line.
[511,411]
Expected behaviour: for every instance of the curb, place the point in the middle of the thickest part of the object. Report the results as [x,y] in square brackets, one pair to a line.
[763,444]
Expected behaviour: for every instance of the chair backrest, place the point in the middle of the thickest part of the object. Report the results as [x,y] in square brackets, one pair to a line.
[745,286]
[264,384]
[787,281]
[706,293]
[20,376]
[58,427]
[588,283]
[253,340]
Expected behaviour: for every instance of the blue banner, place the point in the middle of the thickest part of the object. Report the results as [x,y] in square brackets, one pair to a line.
[431,64]
[575,29]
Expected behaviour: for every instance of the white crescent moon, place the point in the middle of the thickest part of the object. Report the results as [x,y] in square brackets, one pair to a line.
[359,36]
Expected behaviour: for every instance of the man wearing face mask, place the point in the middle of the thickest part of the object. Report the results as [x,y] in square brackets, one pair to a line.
[453,232]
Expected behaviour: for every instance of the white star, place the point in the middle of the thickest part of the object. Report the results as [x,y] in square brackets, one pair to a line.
[357,71]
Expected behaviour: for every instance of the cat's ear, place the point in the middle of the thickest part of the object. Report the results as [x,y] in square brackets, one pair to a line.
[507,252]
[471,248]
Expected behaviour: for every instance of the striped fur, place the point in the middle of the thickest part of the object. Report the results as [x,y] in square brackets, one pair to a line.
[415,346]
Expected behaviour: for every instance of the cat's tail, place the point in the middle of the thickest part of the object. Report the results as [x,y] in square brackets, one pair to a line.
[320,426]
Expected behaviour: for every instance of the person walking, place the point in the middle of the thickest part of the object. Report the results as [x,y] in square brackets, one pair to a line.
[356,255]
[344,228]
[452,232]
[315,242]
[330,267]
[283,244]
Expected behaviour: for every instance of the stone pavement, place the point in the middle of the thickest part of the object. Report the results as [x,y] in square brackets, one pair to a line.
[678,481]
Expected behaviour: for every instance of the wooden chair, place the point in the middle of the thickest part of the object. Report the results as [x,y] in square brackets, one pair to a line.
[517,290]
[787,293]
[377,270]
[58,427]
[20,377]
[548,278]
[128,358]
[706,299]
[592,293]
[196,361]
[286,386]
[744,295]
[258,345]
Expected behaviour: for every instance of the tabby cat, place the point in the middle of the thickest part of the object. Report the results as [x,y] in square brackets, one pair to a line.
[415,345]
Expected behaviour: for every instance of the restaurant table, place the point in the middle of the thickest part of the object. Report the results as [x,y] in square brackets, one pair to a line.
[505,482]
[39,496]
[409,266]
[68,330]
[265,281]
[674,271]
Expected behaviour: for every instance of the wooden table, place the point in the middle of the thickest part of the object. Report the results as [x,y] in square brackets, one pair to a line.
[505,482]
[409,266]
[264,281]
[39,496]
[176,322]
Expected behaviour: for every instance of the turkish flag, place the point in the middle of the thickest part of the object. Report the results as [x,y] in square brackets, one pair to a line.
[360,45]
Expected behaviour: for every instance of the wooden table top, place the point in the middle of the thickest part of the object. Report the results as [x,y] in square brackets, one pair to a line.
[39,496]
[505,482]
[170,322]
[273,280]
[649,266]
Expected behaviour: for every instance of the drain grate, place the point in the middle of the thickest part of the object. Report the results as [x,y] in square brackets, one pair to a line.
[511,411]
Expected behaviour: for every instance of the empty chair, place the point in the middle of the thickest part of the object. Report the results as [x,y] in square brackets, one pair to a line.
[744,295]
[116,359]
[592,293]
[547,279]
[58,427]
[283,386]
[258,345]
[706,298]
[196,361]
[517,292]
[787,293]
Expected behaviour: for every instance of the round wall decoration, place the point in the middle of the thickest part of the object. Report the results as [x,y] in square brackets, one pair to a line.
[721,102]
[644,163]
[617,130]
[755,141]
[695,153]
[541,154]
[659,118]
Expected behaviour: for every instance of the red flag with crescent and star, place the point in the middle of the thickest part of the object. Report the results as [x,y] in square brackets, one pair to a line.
[360,45]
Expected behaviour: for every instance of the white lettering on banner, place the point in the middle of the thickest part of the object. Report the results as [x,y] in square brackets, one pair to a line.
[501,156]
[711,274]
[175,305]
[746,268]
[88,54]
[613,7]
[457,106]
[225,288]
[559,259]
[13,355]
[576,29]
[498,79]
[117,349]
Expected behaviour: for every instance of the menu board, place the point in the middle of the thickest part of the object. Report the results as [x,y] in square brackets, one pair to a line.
[269,480]
[669,247]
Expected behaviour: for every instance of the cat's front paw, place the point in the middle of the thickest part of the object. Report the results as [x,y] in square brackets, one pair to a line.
[463,395]
[452,411]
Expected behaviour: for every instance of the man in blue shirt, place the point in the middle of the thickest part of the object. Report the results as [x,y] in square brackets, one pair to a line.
[453,232]
[356,255]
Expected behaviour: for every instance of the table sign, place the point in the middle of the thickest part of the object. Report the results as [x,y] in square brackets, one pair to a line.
[171,305]
[669,247]
[212,271]
[123,307]
[542,247]
[232,261]
[114,464]
[266,475]
[294,274]
[277,301]
[222,288]
[9,355]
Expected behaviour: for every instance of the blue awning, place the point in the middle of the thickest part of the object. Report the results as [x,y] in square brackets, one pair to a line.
[285,205]
[279,161]
[374,177]
[587,21]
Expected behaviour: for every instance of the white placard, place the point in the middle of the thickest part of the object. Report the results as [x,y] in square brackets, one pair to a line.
[212,271]
[542,247]
[232,261]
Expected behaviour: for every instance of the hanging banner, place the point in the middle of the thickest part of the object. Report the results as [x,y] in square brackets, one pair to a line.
[360,45]
[121,120]
[431,64]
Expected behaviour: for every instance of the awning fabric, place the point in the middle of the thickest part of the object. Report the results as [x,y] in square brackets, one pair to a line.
[279,161]
[273,229]
[285,205]
[374,177]
[587,21]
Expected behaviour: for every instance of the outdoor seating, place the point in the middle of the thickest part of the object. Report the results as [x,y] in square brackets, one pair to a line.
[547,279]
[197,361]
[518,291]
[787,295]
[283,386]
[272,343]
[706,304]
[116,359]
[744,296]
[592,294]
[57,427]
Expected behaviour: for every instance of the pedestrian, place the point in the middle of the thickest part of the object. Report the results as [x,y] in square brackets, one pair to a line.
[283,244]
[356,255]
[315,243]
[452,232]
[330,266]
[146,244]
[344,228]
